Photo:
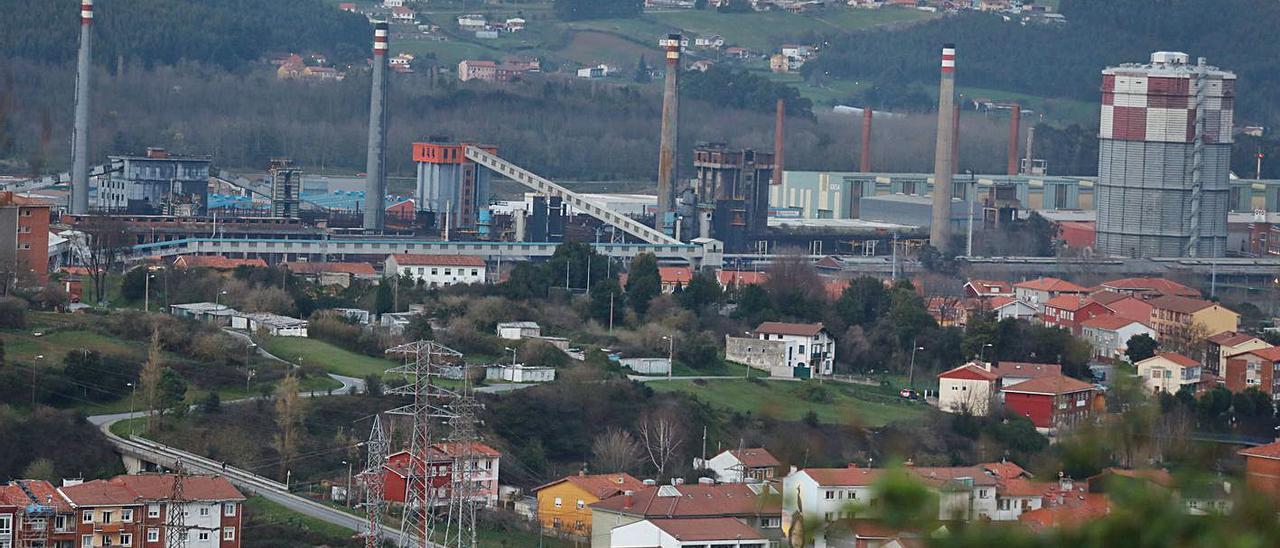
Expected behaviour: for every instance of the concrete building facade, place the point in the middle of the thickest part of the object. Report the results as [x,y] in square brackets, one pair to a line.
[157,183]
[452,186]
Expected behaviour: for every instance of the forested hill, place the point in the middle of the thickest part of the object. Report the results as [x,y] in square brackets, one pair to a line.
[226,33]
[1065,60]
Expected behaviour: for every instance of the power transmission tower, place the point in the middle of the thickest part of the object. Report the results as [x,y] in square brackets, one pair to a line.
[374,483]
[423,361]
[175,534]
[460,527]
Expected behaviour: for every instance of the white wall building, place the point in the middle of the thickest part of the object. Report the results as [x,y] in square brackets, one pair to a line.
[1109,335]
[518,330]
[741,465]
[646,366]
[1169,372]
[276,325]
[967,389]
[687,533]
[437,270]
[519,373]
[810,350]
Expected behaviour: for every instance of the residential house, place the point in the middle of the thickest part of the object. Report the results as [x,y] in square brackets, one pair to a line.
[741,465]
[563,505]
[402,14]
[988,288]
[1069,311]
[787,350]
[1124,306]
[1147,288]
[1109,334]
[730,279]
[1012,373]
[779,63]
[396,322]
[438,270]
[1169,372]
[515,24]
[518,330]
[737,52]
[132,511]
[446,466]
[1011,308]
[275,324]
[715,41]
[968,388]
[33,510]
[1258,368]
[217,314]
[472,69]
[1176,318]
[1053,403]
[598,71]
[964,492]
[349,7]
[472,22]
[1038,291]
[1228,343]
[756,504]
[331,274]
[832,493]
[216,262]
[1068,509]
[523,63]
[358,316]
[687,533]
[1262,469]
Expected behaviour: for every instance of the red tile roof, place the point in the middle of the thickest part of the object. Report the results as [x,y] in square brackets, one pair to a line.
[1022,487]
[970,372]
[757,457]
[1050,284]
[601,486]
[1027,370]
[1269,451]
[940,476]
[99,493]
[850,476]
[738,277]
[707,529]
[1109,322]
[437,260]
[686,501]
[1005,470]
[1055,385]
[798,329]
[1270,353]
[1075,509]
[675,275]
[216,262]
[1178,359]
[45,493]
[1068,302]
[985,287]
[1181,305]
[1153,285]
[160,486]
[1231,338]
[357,269]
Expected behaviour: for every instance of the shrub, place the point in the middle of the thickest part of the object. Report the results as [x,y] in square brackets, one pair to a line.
[13,313]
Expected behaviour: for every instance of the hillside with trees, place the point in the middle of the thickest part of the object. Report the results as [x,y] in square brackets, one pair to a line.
[225,33]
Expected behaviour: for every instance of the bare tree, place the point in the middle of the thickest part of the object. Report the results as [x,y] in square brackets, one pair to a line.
[661,435]
[289,413]
[105,238]
[1188,340]
[152,371]
[615,450]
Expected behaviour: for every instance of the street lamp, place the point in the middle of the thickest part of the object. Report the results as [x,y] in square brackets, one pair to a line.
[133,389]
[218,298]
[982,352]
[348,495]
[33,380]
[247,378]
[146,291]
[671,354]
[911,372]
[513,354]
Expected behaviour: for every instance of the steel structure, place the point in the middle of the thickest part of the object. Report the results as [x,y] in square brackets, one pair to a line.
[374,482]
[460,523]
[175,531]
[423,361]
[31,523]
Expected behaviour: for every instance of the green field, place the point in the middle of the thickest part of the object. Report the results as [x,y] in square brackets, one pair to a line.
[24,345]
[866,405]
[318,353]
[260,511]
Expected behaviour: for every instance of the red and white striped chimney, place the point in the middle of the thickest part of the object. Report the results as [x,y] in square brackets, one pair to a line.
[380,39]
[86,12]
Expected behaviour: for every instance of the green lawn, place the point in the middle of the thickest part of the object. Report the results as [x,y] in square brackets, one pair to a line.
[260,511]
[765,31]
[315,352]
[1063,111]
[23,345]
[871,406]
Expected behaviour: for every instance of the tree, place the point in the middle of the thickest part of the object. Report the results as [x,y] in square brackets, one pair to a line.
[615,450]
[211,403]
[642,75]
[13,313]
[383,300]
[795,289]
[607,300]
[643,282]
[172,392]
[527,280]
[152,371]
[1140,347]
[104,239]
[289,414]
[863,301]
[134,285]
[661,436]
[419,328]
[699,351]
[703,290]
[41,469]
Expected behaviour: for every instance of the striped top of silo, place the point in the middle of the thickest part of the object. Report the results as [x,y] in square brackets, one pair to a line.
[1157,101]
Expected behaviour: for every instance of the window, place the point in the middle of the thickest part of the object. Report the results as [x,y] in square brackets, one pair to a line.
[581,504]
[86,516]
[153,510]
[6,525]
[153,535]
[228,533]
[982,493]
[228,509]
[86,541]
[558,502]
[204,535]
[831,495]
[555,522]
[126,539]
[204,511]
[60,522]
[448,272]
[1003,504]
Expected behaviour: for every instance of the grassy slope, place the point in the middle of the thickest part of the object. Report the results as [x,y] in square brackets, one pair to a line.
[331,358]
[862,404]
[259,510]
[762,31]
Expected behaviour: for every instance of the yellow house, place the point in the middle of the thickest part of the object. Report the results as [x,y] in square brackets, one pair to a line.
[1227,344]
[1173,317]
[564,505]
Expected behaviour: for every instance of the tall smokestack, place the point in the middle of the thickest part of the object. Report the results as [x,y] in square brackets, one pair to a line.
[375,187]
[779,127]
[865,157]
[943,156]
[955,140]
[667,148]
[1015,121]
[80,133]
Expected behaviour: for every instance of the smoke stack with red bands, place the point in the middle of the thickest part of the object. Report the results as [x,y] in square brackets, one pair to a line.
[779,127]
[944,151]
[375,187]
[865,157]
[665,220]
[1015,121]
[80,136]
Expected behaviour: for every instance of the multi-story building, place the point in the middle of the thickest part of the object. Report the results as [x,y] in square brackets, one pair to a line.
[1226,344]
[24,240]
[789,350]
[733,194]
[1070,311]
[1170,372]
[1146,288]
[1164,158]
[156,183]
[437,270]
[1262,469]
[1177,318]
[1258,368]
[1054,404]
[286,189]
[450,185]
[758,505]
[563,505]
[449,468]
[134,511]
[968,388]
[1038,291]
[687,533]
[33,513]
[1109,334]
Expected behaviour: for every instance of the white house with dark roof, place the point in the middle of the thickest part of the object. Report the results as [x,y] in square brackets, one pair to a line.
[809,349]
